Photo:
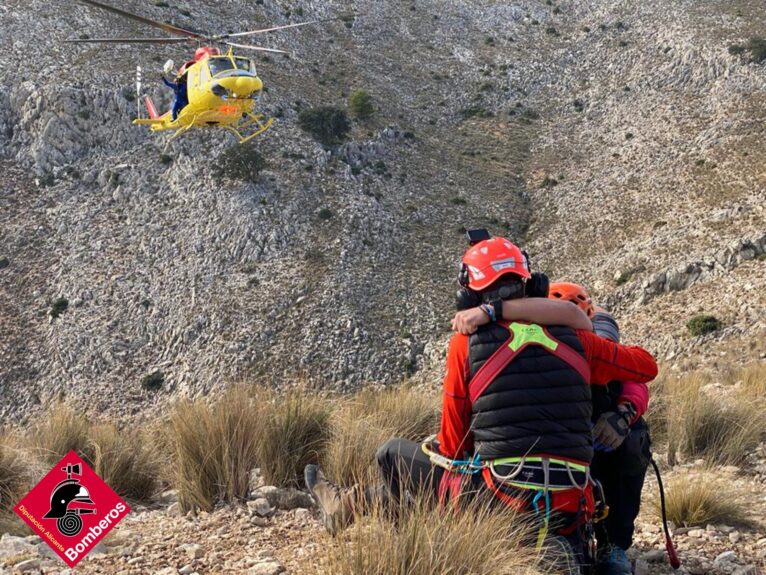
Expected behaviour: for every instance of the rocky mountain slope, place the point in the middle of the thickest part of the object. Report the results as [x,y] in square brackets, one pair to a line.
[618,142]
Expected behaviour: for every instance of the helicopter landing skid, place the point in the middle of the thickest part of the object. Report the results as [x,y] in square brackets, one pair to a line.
[252,120]
[179,132]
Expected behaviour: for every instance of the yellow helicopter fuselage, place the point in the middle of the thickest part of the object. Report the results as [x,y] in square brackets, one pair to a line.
[222,91]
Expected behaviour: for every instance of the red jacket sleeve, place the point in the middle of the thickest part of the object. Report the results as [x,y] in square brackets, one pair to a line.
[454,432]
[637,394]
[613,361]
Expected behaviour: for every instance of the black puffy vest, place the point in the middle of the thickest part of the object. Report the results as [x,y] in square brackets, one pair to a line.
[538,404]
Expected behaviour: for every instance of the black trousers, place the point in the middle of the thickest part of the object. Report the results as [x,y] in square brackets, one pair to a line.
[407,471]
[621,473]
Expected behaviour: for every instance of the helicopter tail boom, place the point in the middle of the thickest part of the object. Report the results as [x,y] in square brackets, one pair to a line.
[153,115]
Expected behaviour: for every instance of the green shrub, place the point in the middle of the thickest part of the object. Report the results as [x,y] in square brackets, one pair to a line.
[736,49]
[360,104]
[58,307]
[328,125]
[325,214]
[756,46]
[703,324]
[549,182]
[475,112]
[153,381]
[240,162]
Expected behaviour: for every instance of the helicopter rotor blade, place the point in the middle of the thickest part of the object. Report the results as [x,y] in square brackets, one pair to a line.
[161,25]
[265,30]
[128,40]
[258,48]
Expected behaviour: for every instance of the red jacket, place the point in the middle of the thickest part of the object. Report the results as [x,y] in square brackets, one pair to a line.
[608,361]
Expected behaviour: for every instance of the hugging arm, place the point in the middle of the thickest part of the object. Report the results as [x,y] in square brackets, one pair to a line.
[533,310]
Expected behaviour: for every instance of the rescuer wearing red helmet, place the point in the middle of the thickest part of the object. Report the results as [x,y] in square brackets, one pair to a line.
[621,436]
[516,404]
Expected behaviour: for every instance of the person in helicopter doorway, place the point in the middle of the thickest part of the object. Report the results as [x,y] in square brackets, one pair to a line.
[621,435]
[179,89]
[517,407]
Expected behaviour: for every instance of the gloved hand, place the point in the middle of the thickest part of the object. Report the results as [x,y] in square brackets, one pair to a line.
[613,427]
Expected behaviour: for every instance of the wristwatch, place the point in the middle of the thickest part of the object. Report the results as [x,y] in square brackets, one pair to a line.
[497,305]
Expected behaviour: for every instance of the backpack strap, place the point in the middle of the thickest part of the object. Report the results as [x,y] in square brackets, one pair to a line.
[523,335]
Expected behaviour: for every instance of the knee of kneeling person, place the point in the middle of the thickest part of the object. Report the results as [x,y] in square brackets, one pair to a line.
[386,452]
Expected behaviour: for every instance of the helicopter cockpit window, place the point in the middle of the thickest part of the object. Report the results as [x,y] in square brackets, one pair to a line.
[244,64]
[218,65]
[221,65]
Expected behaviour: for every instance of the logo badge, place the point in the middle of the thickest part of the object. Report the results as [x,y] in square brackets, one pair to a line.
[72,509]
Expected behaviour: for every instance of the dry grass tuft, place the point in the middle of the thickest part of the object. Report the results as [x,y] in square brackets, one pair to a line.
[701,500]
[294,431]
[214,448]
[699,424]
[425,540]
[15,481]
[752,383]
[367,420]
[61,431]
[127,460]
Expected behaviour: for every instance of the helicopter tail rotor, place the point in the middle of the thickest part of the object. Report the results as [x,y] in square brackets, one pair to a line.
[138,89]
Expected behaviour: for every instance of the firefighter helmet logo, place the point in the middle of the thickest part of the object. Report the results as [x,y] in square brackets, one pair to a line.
[69,500]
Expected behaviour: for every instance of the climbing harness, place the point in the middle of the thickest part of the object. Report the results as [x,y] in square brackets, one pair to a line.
[557,484]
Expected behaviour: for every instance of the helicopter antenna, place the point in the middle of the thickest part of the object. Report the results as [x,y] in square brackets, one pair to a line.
[138,89]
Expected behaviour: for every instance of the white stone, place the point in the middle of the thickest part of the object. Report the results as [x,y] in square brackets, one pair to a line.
[11,546]
[27,566]
[725,557]
[260,507]
[174,510]
[302,514]
[734,536]
[266,568]
[654,556]
[641,567]
[192,550]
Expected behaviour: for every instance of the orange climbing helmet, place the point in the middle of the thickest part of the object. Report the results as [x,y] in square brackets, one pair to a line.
[574,293]
[487,260]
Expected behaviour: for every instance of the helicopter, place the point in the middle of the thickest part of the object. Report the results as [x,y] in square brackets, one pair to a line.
[213,89]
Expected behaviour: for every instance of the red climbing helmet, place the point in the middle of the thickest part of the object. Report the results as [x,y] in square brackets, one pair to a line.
[574,293]
[485,261]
